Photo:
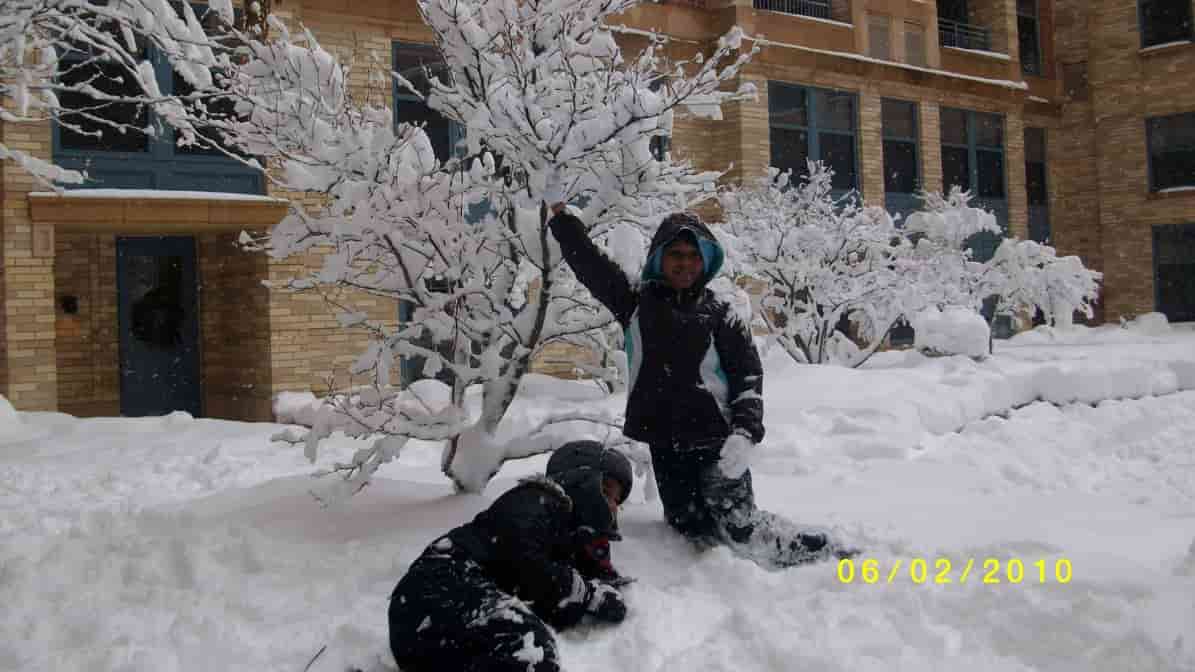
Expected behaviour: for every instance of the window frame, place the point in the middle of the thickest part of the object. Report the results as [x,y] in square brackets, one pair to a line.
[899,201]
[813,130]
[1036,68]
[162,161]
[1141,25]
[1157,233]
[399,95]
[1151,170]
[999,206]
[873,19]
[1045,172]
[915,28]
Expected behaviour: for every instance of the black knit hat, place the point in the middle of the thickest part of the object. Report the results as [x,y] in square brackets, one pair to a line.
[593,455]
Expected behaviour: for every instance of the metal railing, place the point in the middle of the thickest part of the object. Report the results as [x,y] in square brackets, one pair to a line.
[964,35]
[818,9]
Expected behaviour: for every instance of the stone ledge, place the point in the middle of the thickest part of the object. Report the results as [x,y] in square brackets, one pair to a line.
[141,213]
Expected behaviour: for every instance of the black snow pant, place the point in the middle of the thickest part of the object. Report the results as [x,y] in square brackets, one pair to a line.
[709,507]
[447,614]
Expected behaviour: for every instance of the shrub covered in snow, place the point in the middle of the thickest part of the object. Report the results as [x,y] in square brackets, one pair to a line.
[953,330]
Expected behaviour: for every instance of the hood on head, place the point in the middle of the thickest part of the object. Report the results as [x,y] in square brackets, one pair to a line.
[592,455]
[688,225]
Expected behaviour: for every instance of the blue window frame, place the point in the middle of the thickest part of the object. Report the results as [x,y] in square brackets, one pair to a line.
[818,124]
[1164,21]
[902,156]
[413,61]
[132,160]
[1171,141]
[973,158]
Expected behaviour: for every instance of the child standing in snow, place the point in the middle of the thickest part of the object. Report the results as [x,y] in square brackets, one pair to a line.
[481,597]
[694,394]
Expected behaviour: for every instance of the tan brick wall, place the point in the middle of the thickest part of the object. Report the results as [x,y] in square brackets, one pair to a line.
[234,329]
[870,146]
[28,290]
[1126,88]
[88,343]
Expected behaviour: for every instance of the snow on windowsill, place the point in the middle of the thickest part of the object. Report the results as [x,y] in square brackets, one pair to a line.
[1008,84]
[160,194]
[983,52]
[1038,99]
[1190,189]
[1167,46]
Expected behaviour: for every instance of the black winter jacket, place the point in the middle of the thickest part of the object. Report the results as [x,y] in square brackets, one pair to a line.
[695,375]
[524,542]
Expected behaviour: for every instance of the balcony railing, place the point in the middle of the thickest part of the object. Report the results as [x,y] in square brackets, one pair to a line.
[818,9]
[964,35]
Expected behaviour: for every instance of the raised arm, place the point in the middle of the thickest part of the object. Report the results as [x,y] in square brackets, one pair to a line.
[600,274]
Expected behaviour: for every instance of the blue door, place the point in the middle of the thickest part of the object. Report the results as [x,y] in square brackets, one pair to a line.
[158,316]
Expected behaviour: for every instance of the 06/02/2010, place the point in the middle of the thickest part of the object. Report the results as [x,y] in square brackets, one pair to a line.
[943,571]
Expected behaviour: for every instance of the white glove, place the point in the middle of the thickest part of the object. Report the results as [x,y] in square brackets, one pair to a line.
[553,187]
[736,455]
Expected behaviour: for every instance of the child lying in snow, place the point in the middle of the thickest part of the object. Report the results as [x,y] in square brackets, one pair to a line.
[480,597]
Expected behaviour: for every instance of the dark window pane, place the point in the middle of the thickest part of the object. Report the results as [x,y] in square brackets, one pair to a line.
[900,119]
[989,129]
[900,167]
[411,61]
[1035,144]
[787,105]
[835,110]
[838,153]
[1164,21]
[1030,50]
[953,10]
[991,174]
[1035,183]
[954,126]
[89,123]
[216,107]
[790,148]
[956,168]
[1174,265]
[438,129]
[1172,151]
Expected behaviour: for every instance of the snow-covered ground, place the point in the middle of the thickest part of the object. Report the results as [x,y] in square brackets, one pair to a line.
[188,544]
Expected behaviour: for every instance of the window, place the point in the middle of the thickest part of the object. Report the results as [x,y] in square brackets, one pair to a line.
[1171,151]
[1035,184]
[902,174]
[1028,37]
[1164,21]
[915,44]
[818,124]
[1174,271]
[414,62]
[106,139]
[973,158]
[879,36]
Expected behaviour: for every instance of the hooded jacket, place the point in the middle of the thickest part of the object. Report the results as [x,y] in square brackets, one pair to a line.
[695,375]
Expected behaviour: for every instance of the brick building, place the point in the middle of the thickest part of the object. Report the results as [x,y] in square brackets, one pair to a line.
[1073,120]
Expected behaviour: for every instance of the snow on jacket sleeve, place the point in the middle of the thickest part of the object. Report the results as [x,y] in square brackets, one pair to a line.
[744,374]
[531,532]
[599,273]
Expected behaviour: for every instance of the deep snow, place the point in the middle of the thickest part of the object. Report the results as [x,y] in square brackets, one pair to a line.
[188,544]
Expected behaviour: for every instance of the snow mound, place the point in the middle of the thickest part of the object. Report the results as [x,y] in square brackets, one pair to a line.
[953,331]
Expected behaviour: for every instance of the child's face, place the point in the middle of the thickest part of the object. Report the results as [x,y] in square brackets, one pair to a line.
[681,264]
[612,491]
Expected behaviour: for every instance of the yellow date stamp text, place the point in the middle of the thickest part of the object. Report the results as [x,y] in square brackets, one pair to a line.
[991,571]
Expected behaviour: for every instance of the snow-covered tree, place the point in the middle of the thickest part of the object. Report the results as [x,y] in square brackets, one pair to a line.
[821,259]
[540,88]
[1022,276]
[95,53]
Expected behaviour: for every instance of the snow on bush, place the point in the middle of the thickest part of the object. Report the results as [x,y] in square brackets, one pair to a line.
[822,259]
[954,330]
